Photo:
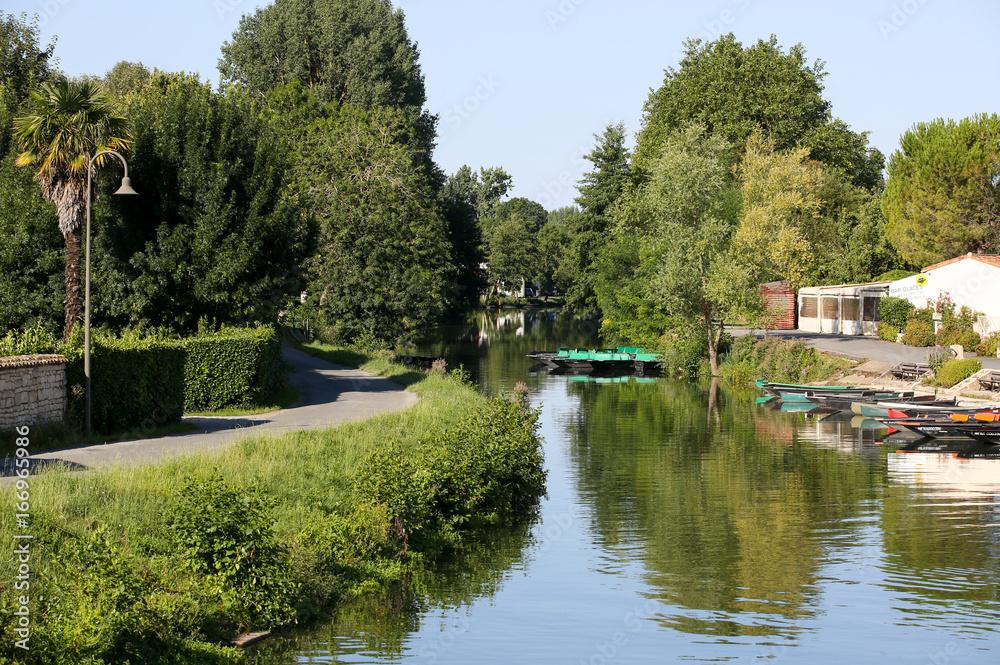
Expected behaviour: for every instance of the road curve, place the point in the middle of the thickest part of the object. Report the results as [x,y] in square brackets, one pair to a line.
[328,395]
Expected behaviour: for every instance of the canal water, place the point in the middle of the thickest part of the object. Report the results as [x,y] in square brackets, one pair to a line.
[686,524]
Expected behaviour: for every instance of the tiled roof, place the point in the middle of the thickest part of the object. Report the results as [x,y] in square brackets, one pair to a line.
[991,259]
[32,361]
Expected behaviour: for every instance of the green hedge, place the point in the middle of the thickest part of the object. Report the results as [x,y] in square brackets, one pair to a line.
[954,372]
[895,312]
[235,366]
[140,382]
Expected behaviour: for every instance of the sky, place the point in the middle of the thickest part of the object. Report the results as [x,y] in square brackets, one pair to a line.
[525,85]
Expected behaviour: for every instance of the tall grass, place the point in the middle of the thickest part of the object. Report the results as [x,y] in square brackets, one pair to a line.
[113,579]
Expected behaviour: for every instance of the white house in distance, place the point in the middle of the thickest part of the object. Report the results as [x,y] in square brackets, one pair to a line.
[972,280]
[852,309]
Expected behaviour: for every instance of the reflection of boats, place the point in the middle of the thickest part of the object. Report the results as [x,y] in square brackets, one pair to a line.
[954,477]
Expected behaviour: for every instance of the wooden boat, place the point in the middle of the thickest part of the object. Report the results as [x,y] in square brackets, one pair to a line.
[647,363]
[843,402]
[545,357]
[946,429]
[904,410]
[987,435]
[777,388]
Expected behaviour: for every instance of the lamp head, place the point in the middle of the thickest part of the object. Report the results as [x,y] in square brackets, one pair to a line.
[126,187]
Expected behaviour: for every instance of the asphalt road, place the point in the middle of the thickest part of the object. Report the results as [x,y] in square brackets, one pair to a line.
[328,395]
[869,348]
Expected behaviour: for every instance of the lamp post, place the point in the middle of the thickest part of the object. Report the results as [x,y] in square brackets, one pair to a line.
[126,188]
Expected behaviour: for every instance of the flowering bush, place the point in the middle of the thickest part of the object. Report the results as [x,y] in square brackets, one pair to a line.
[919,333]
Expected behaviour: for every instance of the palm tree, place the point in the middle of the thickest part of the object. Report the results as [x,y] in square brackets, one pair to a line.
[66,124]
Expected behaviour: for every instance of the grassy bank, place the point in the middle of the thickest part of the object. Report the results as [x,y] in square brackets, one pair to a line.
[779,360]
[161,564]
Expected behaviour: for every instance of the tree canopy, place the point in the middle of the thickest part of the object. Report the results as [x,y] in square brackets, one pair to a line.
[943,194]
[354,52]
[217,232]
[732,90]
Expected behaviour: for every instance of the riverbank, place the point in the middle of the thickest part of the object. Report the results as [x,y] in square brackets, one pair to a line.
[163,563]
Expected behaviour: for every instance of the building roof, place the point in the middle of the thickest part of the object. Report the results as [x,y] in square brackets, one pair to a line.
[990,259]
[32,361]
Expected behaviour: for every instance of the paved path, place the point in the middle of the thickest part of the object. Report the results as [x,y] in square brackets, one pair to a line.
[870,348]
[328,395]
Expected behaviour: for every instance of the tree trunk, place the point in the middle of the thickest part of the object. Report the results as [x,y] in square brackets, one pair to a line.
[73,304]
[713,344]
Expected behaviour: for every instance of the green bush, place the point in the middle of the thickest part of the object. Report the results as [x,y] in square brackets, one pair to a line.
[141,380]
[224,532]
[888,332]
[988,346]
[136,380]
[953,334]
[778,360]
[955,371]
[235,366]
[919,332]
[486,470]
[895,311]
[894,275]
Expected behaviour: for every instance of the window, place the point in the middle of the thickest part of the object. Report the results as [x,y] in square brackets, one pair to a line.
[809,308]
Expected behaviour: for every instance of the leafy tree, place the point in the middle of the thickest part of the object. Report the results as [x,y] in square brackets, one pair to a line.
[24,64]
[467,199]
[781,227]
[943,194]
[599,190]
[66,125]
[382,265]
[732,90]
[512,250]
[31,256]
[678,226]
[552,241]
[533,214]
[126,78]
[217,232]
[346,51]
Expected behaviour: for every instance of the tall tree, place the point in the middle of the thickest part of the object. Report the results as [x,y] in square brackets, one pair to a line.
[24,64]
[943,194]
[355,52]
[671,255]
[731,90]
[66,125]
[467,199]
[218,232]
[599,190]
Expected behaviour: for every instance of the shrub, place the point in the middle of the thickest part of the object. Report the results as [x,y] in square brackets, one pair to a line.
[224,532]
[955,371]
[988,346]
[894,275]
[953,334]
[778,360]
[919,332]
[895,311]
[486,470]
[235,366]
[888,332]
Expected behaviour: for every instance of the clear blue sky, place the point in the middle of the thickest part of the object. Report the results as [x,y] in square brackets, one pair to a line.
[525,84]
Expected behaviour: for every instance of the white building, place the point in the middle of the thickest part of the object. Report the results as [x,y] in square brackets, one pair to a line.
[844,309]
[972,280]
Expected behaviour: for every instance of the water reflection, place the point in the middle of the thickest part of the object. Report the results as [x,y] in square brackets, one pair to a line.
[684,522]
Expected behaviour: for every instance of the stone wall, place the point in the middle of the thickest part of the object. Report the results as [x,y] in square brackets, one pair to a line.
[32,390]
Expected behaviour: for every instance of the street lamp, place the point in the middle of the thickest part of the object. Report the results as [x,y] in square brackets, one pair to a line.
[126,188]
